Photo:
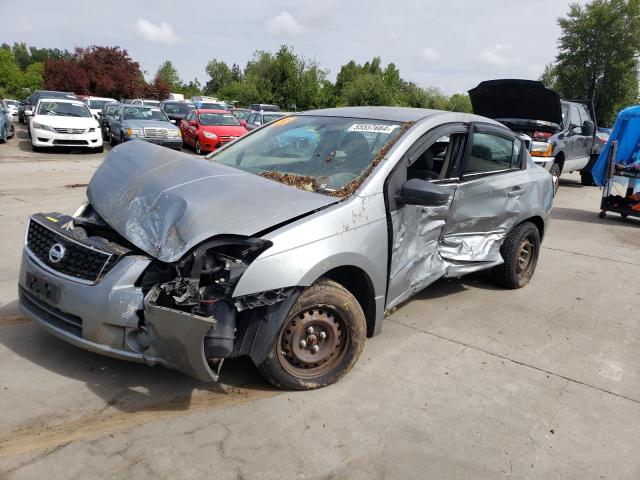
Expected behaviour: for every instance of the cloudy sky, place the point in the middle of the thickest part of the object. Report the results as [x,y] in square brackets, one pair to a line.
[450,44]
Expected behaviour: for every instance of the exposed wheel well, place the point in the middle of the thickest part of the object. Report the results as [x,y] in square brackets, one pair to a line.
[359,284]
[538,222]
[560,160]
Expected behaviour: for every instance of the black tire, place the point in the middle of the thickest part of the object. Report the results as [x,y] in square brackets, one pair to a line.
[602,214]
[197,146]
[122,139]
[555,172]
[99,149]
[519,265]
[112,140]
[36,149]
[330,320]
[3,137]
[13,131]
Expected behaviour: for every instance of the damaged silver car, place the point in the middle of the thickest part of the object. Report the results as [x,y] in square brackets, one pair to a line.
[287,245]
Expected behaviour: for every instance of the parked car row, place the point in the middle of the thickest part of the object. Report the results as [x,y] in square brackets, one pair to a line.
[7,129]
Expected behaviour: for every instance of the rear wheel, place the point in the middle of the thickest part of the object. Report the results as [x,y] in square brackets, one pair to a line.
[112,140]
[555,175]
[3,137]
[13,131]
[586,178]
[320,340]
[520,251]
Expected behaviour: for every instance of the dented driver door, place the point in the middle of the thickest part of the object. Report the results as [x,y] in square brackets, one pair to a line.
[493,191]
[415,261]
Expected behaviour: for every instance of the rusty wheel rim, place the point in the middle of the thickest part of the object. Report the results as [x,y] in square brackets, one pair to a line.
[312,342]
[526,254]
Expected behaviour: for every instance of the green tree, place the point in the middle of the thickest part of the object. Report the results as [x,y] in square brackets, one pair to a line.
[549,77]
[598,55]
[219,74]
[460,102]
[10,74]
[169,75]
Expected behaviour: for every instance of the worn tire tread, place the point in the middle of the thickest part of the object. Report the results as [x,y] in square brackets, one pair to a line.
[504,274]
[271,369]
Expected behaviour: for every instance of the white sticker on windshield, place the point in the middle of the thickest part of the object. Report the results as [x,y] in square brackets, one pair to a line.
[372,128]
[155,109]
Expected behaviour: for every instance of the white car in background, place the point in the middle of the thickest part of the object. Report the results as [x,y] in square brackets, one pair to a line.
[13,108]
[95,104]
[58,122]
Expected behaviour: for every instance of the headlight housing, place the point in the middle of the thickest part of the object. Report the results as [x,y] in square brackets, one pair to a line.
[210,135]
[40,126]
[541,149]
[134,132]
[175,133]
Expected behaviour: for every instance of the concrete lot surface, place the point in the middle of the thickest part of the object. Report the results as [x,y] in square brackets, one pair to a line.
[467,381]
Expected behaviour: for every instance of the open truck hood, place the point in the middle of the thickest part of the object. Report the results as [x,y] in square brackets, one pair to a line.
[166,202]
[517,100]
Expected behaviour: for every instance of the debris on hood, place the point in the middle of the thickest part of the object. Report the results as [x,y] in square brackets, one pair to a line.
[310,184]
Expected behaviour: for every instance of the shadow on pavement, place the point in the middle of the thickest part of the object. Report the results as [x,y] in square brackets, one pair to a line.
[128,387]
[578,215]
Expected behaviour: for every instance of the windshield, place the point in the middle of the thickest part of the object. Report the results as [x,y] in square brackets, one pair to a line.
[150,103]
[98,104]
[179,108]
[141,113]
[325,154]
[208,119]
[12,102]
[212,106]
[241,114]
[65,109]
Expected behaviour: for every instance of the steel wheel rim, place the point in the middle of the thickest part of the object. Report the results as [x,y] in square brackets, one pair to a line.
[312,342]
[526,255]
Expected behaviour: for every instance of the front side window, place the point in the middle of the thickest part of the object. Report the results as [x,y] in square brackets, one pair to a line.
[435,162]
[178,108]
[490,153]
[64,109]
[324,154]
[266,118]
[575,118]
[139,113]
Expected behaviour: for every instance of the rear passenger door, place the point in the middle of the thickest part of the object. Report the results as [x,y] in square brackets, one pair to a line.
[493,190]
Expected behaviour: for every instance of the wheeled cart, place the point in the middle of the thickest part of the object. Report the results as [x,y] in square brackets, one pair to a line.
[618,168]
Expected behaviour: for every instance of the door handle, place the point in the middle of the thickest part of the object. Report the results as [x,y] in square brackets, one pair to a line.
[516,192]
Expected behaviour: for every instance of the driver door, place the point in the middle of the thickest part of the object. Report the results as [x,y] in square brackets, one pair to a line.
[416,230]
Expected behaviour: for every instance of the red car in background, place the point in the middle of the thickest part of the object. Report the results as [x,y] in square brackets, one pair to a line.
[208,130]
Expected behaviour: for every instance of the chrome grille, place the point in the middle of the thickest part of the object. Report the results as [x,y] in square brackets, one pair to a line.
[71,131]
[156,133]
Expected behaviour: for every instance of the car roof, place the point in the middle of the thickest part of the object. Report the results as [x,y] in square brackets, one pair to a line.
[212,110]
[63,100]
[269,112]
[91,97]
[394,114]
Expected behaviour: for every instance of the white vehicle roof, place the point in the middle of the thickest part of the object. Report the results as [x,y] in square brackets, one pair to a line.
[99,98]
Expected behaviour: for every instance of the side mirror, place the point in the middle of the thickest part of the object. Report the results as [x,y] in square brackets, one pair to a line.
[257,124]
[173,121]
[193,123]
[588,128]
[243,123]
[422,192]
[28,113]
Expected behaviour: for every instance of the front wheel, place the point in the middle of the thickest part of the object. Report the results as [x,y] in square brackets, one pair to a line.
[198,149]
[320,340]
[520,251]
[586,178]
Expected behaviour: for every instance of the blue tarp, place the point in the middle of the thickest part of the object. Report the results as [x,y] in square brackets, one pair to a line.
[627,132]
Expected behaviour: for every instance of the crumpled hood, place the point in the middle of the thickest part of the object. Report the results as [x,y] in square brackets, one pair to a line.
[516,99]
[166,202]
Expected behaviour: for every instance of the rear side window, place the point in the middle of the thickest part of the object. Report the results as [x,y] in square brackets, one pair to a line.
[490,153]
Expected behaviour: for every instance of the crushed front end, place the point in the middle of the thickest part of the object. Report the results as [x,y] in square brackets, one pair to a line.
[88,285]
